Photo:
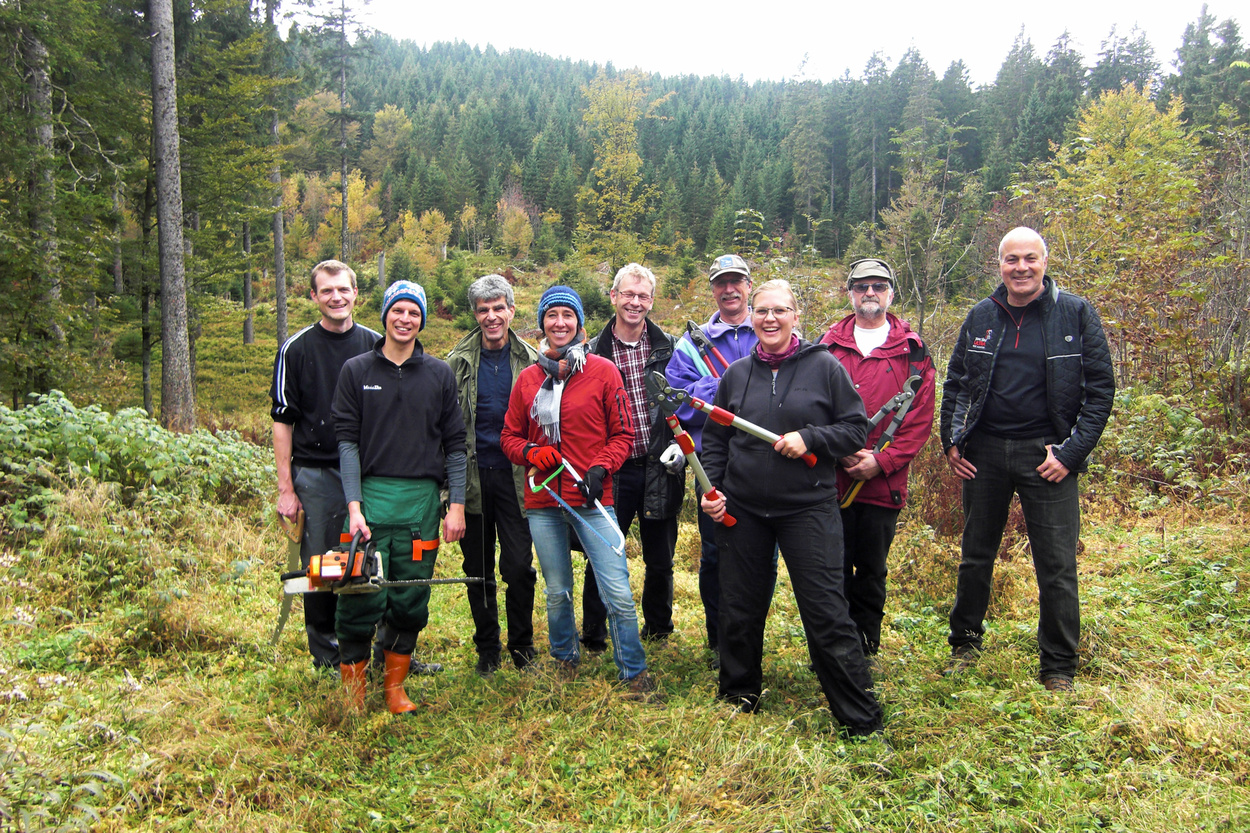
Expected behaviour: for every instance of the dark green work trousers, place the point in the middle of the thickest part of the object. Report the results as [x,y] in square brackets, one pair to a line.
[403,517]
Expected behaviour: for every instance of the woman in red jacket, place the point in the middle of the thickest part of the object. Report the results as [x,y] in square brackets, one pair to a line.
[573,406]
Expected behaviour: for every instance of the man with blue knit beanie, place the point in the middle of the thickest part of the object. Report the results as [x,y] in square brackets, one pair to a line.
[391,480]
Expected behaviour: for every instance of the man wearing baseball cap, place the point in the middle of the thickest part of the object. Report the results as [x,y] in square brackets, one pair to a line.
[729,331]
[400,435]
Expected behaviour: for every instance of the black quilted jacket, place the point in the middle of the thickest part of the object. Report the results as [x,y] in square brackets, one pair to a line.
[1080,382]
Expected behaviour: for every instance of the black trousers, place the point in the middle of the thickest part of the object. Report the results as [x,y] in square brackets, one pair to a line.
[867,532]
[501,521]
[659,539]
[811,543]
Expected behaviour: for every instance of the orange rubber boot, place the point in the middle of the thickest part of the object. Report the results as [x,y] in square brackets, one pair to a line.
[393,683]
[353,677]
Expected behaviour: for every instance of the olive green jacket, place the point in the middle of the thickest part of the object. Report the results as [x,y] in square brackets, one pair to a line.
[464,359]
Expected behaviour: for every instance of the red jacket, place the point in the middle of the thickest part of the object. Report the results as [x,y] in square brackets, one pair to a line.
[878,377]
[595,428]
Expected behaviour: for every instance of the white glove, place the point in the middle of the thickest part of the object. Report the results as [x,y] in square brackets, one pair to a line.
[673,459]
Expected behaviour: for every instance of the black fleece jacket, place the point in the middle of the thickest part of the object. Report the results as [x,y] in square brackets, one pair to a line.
[405,418]
[1080,381]
[812,394]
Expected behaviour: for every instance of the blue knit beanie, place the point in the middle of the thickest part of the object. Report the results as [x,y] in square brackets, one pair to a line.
[406,290]
[561,296]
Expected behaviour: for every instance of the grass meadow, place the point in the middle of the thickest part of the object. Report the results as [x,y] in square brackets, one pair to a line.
[139,692]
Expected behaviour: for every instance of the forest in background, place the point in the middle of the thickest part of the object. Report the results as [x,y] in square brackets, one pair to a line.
[1138,177]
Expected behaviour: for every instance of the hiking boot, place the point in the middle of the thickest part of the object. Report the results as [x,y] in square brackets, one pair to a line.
[1059,683]
[564,670]
[522,658]
[744,703]
[642,688]
[487,664]
[961,659]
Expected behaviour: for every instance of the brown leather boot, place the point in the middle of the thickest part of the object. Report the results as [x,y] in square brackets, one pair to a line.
[393,683]
[353,677]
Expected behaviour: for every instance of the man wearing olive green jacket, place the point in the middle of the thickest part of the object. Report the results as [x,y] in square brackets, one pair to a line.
[486,364]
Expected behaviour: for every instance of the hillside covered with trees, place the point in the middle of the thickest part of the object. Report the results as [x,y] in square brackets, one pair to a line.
[346,143]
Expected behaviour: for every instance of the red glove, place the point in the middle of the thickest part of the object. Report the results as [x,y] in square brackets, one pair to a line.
[543,457]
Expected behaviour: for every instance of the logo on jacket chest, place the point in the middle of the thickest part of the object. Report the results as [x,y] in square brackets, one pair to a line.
[980,342]
[371,387]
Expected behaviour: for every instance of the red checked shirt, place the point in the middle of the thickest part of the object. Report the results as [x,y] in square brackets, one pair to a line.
[631,360]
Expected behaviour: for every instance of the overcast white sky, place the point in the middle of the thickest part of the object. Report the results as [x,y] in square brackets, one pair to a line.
[762,40]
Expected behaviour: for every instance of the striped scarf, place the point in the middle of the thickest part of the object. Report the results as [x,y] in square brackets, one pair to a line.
[559,364]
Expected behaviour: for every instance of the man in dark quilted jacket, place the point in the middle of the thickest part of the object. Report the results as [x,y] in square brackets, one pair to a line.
[1028,392]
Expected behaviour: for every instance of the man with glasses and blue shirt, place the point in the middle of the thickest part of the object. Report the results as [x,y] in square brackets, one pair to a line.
[729,331]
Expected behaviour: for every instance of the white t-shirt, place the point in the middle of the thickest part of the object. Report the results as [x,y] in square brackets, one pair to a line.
[869,340]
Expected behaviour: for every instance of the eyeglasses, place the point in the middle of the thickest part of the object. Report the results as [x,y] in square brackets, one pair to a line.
[861,288]
[630,297]
[775,312]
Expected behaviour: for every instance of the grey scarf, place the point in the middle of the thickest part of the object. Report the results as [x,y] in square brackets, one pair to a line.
[559,364]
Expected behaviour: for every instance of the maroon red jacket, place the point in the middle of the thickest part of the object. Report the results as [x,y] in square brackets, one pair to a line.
[878,377]
[595,428]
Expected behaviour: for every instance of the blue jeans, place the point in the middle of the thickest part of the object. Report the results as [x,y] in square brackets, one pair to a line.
[550,530]
[1052,515]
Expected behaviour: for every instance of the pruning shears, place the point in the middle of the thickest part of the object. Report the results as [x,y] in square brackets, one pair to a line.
[706,348]
[684,441]
[618,548]
[898,405]
[670,398]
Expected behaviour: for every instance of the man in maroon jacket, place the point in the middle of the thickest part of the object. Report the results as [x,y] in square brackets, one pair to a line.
[881,353]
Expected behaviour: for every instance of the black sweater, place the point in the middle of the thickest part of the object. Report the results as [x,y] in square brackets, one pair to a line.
[813,395]
[405,418]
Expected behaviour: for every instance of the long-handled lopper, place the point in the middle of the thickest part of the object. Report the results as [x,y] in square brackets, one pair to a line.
[618,548]
[720,416]
[706,348]
[899,405]
[685,442]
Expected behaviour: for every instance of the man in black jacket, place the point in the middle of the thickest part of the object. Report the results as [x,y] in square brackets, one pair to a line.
[651,484]
[305,451]
[400,434]
[1027,395]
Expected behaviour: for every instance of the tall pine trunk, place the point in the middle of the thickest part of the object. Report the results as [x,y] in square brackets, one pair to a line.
[177,395]
[343,123]
[248,334]
[279,242]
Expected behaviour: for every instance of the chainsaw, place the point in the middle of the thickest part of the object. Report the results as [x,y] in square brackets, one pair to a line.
[351,569]
[347,569]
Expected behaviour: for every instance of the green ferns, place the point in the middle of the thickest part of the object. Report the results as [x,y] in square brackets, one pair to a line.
[53,443]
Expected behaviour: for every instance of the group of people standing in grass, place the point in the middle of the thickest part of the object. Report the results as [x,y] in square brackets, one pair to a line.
[563,447]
